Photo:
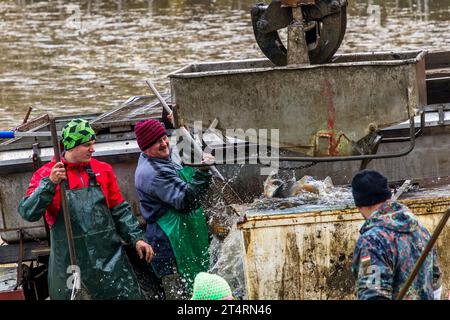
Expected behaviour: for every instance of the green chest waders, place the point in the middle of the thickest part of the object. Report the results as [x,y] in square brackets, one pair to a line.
[103,266]
[188,236]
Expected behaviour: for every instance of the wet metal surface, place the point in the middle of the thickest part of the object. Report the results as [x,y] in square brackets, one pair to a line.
[319,109]
[90,56]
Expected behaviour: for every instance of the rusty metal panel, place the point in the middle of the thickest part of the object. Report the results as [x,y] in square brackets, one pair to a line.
[308,255]
[12,189]
[346,98]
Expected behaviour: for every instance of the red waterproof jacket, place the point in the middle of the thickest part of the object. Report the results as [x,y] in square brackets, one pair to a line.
[78,178]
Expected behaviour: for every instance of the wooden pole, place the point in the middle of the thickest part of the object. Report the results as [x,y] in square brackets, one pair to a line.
[424,255]
[64,203]
[183,130]
[25,120]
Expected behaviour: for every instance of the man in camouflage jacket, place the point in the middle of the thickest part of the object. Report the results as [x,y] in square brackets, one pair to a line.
[390,243]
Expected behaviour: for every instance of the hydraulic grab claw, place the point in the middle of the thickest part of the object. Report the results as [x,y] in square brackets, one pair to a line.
[322,23]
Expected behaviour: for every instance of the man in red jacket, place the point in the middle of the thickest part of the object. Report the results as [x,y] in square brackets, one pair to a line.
[101,220]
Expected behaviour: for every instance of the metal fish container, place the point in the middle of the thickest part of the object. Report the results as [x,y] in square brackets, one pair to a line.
[296,254]
[320,110]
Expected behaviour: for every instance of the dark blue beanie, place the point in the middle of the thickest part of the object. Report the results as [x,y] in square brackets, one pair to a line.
[370,187]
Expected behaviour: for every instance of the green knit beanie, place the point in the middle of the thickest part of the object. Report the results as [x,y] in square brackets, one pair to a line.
[77,132]
[211,287]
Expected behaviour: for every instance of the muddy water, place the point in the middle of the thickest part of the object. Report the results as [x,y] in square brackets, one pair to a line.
[89,56]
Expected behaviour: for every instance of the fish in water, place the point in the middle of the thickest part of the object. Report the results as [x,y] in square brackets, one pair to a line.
[276,188]
[270,185]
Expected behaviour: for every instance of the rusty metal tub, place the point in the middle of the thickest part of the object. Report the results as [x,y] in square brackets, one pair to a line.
[321,110]
[293,254]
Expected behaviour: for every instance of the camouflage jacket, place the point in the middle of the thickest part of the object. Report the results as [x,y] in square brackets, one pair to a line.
[390,243]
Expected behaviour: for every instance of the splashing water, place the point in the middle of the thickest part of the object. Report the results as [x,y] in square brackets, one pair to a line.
[225,250]
[307,192]
[227,260]
[226,253]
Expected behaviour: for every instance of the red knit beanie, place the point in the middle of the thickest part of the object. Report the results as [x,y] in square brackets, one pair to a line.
[148,132]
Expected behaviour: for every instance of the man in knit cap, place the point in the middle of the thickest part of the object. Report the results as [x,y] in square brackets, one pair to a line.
[170,199]
[100,218]
[391,241]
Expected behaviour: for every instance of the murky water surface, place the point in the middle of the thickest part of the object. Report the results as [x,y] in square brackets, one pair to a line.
[89,56]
